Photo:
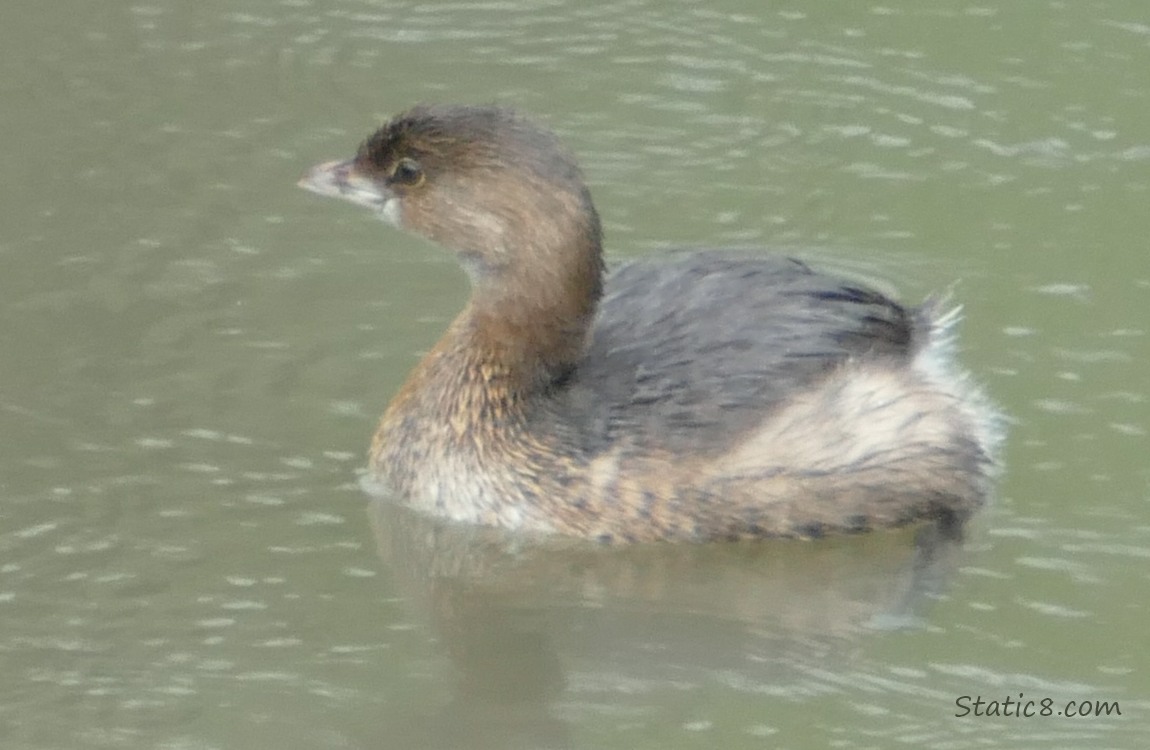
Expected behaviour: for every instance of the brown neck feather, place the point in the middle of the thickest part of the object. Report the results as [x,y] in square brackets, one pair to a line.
[534,325]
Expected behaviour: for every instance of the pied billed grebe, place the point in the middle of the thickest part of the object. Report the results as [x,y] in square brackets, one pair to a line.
[709,396]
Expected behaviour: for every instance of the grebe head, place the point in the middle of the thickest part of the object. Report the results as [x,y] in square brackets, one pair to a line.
[497,189]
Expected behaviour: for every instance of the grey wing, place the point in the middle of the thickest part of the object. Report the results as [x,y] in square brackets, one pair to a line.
[695,350]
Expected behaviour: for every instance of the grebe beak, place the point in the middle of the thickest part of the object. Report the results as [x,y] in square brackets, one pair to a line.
[341,179]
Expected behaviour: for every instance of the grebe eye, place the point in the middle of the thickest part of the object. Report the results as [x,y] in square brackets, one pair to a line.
[407,172]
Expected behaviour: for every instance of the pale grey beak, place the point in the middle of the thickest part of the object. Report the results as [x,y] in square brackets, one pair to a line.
[341,179]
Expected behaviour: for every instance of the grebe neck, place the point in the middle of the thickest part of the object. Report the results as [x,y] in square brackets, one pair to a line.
[530,318]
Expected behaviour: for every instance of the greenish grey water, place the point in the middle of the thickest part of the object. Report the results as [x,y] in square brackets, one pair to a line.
[194,352]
